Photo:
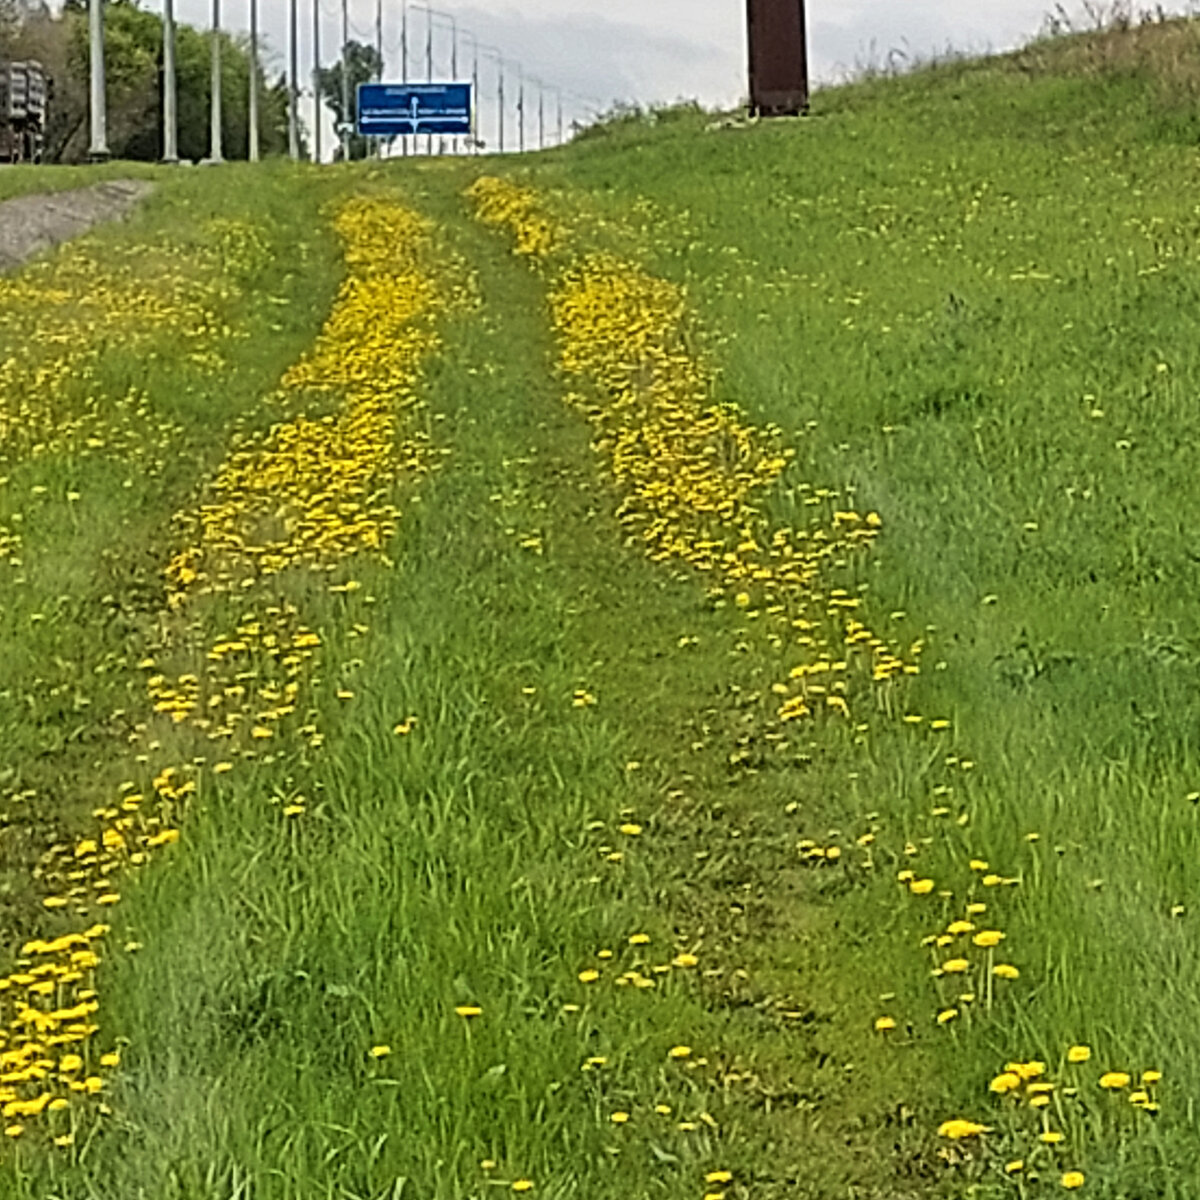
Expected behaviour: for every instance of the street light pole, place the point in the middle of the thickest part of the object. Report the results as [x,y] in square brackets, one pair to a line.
[345,82]
[293,117]
[474,95]
[98,151]
[252,147]
[214,152]
[170,118]
[404,60]
[429,67]
[316,79]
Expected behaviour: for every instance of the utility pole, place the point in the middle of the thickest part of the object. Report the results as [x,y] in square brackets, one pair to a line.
[293,115]
[98,150]
[252,148]
[170,117]
[541,117]
[520,107]
[316,78]
[214,151]
[558,92]
[345,82]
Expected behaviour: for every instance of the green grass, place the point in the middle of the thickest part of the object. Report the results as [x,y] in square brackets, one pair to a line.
[954,296]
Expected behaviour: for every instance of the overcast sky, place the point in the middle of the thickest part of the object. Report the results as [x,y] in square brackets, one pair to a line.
[639,50]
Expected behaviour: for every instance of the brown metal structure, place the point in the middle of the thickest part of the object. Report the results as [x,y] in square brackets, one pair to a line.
[778,58]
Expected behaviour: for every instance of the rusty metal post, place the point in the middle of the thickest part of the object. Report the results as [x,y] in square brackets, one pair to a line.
[778,58]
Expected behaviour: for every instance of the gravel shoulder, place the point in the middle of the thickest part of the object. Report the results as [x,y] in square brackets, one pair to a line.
[31,224]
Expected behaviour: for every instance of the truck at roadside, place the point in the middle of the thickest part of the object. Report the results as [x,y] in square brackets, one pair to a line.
[24,91]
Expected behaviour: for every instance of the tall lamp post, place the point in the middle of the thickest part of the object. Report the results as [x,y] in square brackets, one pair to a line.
[169,105]
[214,152]
[98,148]
[252,148]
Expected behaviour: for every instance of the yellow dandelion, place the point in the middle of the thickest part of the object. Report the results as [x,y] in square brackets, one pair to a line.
[882,1023]
[619,1118]
[1005,971]
[469,1010]
[1113,1080]
[379,1051]
[959,1128]
[987,938]
[1051,1137]
[1005,1082]
[1079,1054]
[1072,1179]
[679,1051]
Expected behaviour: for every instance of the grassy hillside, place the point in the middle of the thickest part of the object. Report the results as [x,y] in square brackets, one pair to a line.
[674,678]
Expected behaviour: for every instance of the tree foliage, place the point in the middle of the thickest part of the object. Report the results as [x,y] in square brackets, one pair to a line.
[363,65]
[133,41]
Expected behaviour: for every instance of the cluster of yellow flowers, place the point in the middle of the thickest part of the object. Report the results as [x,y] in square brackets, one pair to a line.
[61,314]
[1029,1093]
[691,474]
[691,471]
[505,205]
[308,494]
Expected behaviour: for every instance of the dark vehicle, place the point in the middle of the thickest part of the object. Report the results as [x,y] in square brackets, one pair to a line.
[24,90]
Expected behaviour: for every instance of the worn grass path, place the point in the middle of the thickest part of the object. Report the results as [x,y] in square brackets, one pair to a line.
[478,861]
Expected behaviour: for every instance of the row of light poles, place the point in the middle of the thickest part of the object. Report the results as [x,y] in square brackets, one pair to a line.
[98,149]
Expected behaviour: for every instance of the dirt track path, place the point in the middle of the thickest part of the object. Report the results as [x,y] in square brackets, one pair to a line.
[30,224]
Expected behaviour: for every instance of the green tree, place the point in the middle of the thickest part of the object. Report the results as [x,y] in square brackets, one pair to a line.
[133,41]
[363,65]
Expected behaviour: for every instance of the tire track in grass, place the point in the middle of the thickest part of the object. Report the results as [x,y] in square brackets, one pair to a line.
[287,510]
[689,475]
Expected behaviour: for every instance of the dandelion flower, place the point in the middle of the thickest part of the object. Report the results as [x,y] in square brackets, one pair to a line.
[1113,1080]
[959,1128]
[1079,1054]
[379,1051]
[679,1051]
[718,1177]
[469,1010]
[882,1023]
[619,1118]
[1072,1179]
[987,938]
[1005,971]
[1051,1137]
[955,966]
[1005,1082]
[921,887]
[522,1185]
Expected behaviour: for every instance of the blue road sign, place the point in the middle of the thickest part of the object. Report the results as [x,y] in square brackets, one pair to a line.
[385,109]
